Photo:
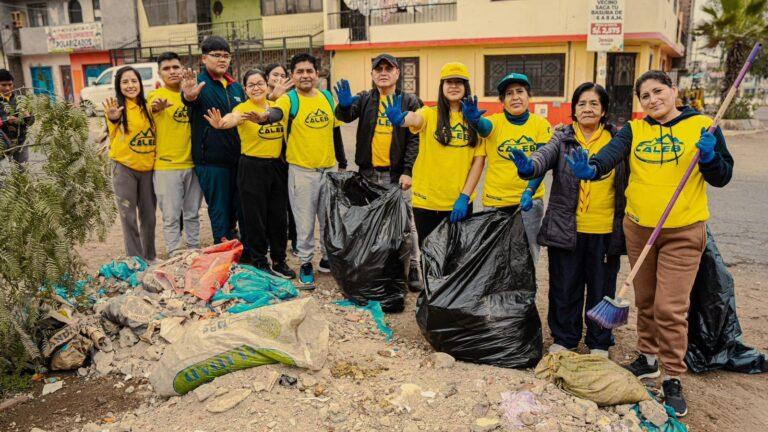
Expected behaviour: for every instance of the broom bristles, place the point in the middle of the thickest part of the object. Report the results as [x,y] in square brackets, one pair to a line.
[610,313]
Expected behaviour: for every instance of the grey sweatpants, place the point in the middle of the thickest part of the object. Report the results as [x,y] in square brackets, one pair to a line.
[179,196]
[384,178]
[305,188]
[136,203]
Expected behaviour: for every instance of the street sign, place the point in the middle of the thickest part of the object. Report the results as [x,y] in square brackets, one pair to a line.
[605,26]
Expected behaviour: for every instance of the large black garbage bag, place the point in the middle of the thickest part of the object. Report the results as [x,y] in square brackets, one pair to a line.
[478,303]
[368,239]
[714,333]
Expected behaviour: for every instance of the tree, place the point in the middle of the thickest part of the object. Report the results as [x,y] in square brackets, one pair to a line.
[735,26]
[46,209]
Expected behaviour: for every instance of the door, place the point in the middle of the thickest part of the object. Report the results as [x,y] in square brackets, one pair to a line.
[91,72]
[42,80]
[66,83]
[619,82]
[409,74]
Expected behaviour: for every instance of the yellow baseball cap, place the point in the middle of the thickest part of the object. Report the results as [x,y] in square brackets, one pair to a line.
[454,70]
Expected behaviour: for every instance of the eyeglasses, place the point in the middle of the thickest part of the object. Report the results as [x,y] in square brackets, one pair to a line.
[220,56]
[253,86]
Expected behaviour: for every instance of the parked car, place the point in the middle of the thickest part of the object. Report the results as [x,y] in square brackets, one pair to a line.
[92,97]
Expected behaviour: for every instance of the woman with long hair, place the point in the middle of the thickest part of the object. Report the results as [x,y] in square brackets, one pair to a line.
[582,227]
[447,152]
[260,175]
[132,151]
[660,147]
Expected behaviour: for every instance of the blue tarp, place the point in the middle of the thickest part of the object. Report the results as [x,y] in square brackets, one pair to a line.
[255,288]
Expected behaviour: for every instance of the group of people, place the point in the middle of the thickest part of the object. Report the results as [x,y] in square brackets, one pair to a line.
[258,152]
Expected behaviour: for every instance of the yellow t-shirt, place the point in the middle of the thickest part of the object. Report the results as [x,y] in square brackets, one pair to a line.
[174,136]
[503,187]
[382,138]
[136,149]
[440,171]
[310,144]
[597,198]
[263,141]
[658,159]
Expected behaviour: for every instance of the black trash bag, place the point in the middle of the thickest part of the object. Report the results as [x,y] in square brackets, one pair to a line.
[478,302]
[368,239]
[714,333]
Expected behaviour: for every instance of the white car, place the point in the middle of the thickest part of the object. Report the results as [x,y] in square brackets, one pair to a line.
[92,97]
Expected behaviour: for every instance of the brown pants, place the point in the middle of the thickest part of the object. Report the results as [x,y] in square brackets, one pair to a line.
[663,289]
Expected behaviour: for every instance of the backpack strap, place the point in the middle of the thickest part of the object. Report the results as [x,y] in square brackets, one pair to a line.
[329,98]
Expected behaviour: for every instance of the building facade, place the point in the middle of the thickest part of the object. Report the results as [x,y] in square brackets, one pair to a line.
[545,39]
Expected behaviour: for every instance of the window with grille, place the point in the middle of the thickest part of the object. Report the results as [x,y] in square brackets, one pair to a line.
[285,7]
[166,12]
[38,14]
[546,72]
[75,12]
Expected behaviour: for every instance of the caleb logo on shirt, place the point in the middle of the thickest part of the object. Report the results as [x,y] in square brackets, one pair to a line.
[180,115]
[524,143]
[459,136]
[271,132]
[661,150]
[143,142]
[382,120]
[317,119]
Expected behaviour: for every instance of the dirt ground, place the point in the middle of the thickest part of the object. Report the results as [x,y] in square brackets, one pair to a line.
[718,401]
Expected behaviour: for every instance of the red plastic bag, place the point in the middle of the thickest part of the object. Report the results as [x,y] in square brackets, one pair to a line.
[210,270]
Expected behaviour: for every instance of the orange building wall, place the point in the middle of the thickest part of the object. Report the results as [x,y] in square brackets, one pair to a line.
[78,60]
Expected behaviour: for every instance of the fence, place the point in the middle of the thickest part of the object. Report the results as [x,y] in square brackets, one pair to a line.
[358,23]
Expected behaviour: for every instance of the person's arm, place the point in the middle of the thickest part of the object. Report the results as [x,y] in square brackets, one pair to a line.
[613,153]
[190,88]
[474,117]
[413,103]
[717,168]
[349,107]
[545,157]
[394,112]
[473,177]
[233,119]
[338,147]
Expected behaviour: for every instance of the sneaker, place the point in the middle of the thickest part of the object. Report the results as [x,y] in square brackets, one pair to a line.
[282,270]
[641,369]
[673,396]
[324,266]
[414,278]
[307,276]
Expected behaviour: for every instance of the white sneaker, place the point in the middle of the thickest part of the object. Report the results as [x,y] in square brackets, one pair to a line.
[601,353]
[556,348]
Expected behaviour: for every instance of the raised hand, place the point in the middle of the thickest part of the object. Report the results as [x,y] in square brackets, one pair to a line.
[214,118]
[706,146]
[522,162]
[281,88]
[159,104]
[344,94]
[111,110]
[256,117]
[189,85]
[579,163]
[469,108]
[393,111]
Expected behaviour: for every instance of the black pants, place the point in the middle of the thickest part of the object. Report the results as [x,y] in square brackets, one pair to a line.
[569,271]
[264,197]
[427,220]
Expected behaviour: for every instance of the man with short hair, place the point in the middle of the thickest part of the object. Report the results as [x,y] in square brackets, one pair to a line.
[176,185]
[314,147]
[384,154]
[215,152]
[13,123]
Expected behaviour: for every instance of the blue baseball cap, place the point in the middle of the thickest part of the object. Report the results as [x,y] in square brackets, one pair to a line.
[511,79]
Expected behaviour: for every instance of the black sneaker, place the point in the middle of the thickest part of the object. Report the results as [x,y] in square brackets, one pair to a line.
[414,278]
[673,396]
[324,266]
[282,270]
[641,369]
[306,277]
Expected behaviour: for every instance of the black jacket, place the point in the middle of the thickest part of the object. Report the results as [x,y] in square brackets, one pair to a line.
[558,229]
[405,145]
[15,132]
[213,146]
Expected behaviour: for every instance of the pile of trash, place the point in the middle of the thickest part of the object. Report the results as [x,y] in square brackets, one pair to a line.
[176,322]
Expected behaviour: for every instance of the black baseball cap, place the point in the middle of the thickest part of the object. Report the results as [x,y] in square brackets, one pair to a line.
[384,57]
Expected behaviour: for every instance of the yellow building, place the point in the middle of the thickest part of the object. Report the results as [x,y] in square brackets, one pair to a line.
[546,39]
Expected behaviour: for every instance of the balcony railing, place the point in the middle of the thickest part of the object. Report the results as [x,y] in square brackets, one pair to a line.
[358,23]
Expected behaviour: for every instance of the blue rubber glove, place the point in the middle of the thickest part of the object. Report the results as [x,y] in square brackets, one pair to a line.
[706,145]
[469,108]
[460,208]
[393,111]
[523,164]
[526,201]
[579,162]
[344,94]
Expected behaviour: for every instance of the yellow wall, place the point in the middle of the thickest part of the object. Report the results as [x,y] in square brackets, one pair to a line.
[164,35]
[293,25]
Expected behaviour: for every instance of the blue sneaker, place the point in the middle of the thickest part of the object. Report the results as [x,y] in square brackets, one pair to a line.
[307,276]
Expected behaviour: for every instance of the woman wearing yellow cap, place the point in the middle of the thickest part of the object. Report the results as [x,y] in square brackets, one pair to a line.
[514,128]
[447,152]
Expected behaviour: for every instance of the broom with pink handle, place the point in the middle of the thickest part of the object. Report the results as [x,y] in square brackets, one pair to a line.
[614,312]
